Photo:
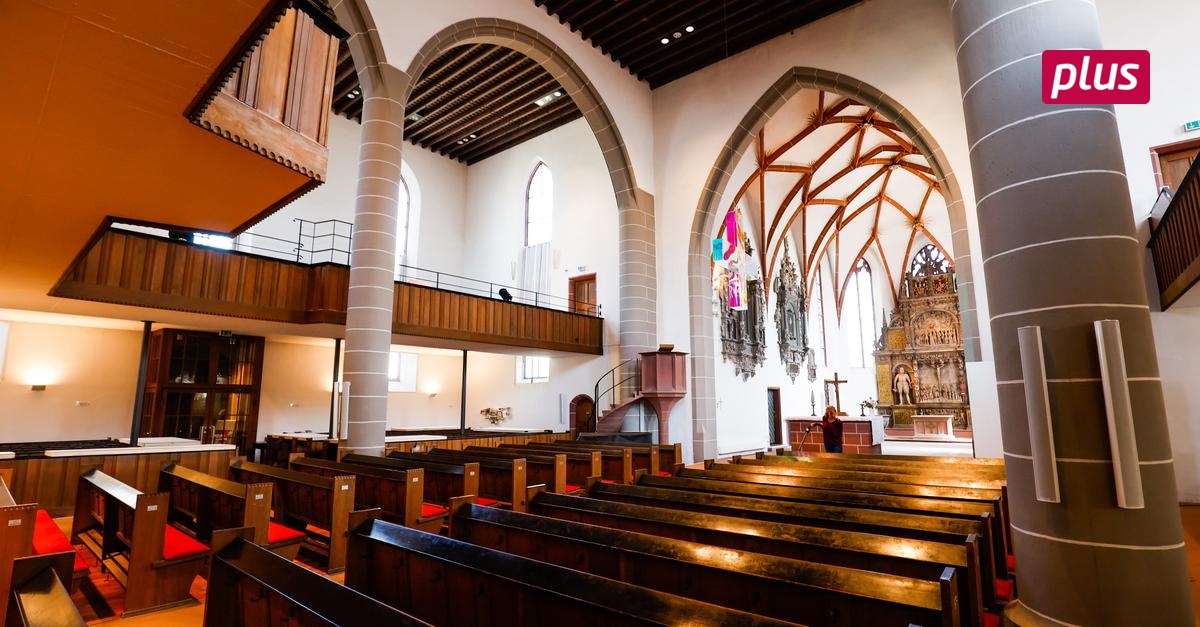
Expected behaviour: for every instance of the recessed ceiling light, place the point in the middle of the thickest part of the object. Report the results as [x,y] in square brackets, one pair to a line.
[545,100]
[416,117]
[471,136]
[690,29]
[665,41]
[677,35]
[351,95]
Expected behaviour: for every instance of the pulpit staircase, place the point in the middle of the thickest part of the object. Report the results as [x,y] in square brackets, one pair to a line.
[621,388]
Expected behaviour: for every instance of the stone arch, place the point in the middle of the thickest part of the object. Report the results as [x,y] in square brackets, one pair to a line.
[703,357]
[635,207]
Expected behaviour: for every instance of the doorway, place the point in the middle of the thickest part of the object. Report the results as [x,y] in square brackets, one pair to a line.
[774,417]
[583,294]
[581,414]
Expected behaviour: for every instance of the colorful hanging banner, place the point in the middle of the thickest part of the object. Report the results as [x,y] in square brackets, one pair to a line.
[718,251]
[731,233]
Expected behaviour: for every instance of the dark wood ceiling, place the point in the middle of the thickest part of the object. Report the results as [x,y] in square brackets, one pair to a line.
[477,100]
[631,31]
[472,102]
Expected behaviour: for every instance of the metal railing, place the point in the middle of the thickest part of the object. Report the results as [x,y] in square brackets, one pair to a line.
[1175,241]
[329,241]
[633,367]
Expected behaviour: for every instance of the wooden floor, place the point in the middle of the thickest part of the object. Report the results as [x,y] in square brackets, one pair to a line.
[193,615]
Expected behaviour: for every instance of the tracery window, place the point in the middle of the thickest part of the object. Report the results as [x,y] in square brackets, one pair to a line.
[929,260]
[539,200]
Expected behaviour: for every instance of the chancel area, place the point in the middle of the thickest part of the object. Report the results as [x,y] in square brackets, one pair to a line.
[556,312]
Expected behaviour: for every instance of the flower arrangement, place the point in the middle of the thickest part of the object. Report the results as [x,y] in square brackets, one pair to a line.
[496,414]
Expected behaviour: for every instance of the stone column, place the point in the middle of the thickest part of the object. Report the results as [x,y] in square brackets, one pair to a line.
[373,258]
[1059,252]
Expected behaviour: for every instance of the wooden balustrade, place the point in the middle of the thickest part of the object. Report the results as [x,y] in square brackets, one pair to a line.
[142,270]
[1175,243]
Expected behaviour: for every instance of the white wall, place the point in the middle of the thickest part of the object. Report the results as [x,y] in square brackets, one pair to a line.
[98,367]
[296,386]
[435,403]
[1168,33]
[437,186]
[694,117]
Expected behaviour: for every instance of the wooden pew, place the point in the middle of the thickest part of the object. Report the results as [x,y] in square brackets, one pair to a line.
[251,587]
[443,481]
[203,504]
[502,483]
[40,594]
[906,557]
[548,470]
[670,456]
[399,494]
[814,594]
[127,530]
[580,466]
[846,482]
[16,538]
[937,459]
[942,476]
[975,471]
[923,526]
[615,466]
[308,501]
[449,582]
[645,459]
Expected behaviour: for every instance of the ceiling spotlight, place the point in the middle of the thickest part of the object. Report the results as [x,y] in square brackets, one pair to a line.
[351,95]
[471,136]
[545,100]
[690,29]
[677,35]
[416,117]
[665,41]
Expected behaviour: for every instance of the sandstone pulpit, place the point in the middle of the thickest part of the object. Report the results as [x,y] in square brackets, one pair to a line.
[664,383]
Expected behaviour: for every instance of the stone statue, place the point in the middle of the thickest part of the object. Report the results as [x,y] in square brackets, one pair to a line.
[903,383]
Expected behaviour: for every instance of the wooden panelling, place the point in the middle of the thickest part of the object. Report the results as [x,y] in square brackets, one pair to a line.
[277,102]
[1175,243]
[51,481]
[458,444]
[146,271]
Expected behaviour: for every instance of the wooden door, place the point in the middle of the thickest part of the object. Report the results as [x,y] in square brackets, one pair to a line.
[1173,161]
[774,417]
[583,294]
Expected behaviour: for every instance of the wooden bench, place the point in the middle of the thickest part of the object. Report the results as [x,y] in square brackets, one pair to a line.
[923,559]
[942,475]
[313,503]
[917,526]
[28,530]
[252,587]
[814,594]
[502,483]
[203,504]
[933,498]
[612,456]
[127,530]
[615,466]
[443,481]
[580,466]
[398,493]
[449,582]
[548,470]
[670,456]
[915,467]
[40,595]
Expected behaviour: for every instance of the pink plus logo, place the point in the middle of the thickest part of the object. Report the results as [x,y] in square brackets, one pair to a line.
[1096,76]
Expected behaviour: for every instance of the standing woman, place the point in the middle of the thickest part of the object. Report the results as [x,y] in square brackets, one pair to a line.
[831,427]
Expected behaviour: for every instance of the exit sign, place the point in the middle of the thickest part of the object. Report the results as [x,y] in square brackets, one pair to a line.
[1194,125]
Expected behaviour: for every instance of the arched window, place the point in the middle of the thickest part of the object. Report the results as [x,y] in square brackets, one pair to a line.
[539,198]
[403,211]
[817,318]
[929,260]
[858,315]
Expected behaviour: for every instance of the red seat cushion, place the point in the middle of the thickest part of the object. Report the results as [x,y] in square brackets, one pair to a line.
[1004,590]
[1011,562]
[570,487]
[48,538]
[177,544]
[607,481]
[663,473]
[991,620]
[429,510]
[485,501]
[282,533]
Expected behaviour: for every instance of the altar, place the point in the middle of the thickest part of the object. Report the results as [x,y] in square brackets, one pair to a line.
[860,434]
[933,425]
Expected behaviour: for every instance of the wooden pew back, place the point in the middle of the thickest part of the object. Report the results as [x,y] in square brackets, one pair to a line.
[814,594]
[616,465]
[503,481]
[398,493]
[448,582]
[442,481]
[580,466]
[670,456]
[205,503]
[16,538]
[41,592]
[549,470]
[941,476]
[251,587]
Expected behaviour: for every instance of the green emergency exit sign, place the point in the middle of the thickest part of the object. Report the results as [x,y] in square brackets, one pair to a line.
[1194,125]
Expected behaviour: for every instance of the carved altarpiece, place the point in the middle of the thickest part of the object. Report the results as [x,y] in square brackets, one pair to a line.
[790,323]
[919,360]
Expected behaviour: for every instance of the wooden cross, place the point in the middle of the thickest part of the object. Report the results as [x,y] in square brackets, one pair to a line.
[837,392]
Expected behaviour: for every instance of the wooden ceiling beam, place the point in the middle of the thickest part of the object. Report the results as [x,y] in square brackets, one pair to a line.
[545,126]
[434,88]
[497,82]
[464,121]
[500,129]
[706,37]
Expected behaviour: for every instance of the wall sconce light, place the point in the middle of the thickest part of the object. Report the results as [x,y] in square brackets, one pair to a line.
[38,388]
